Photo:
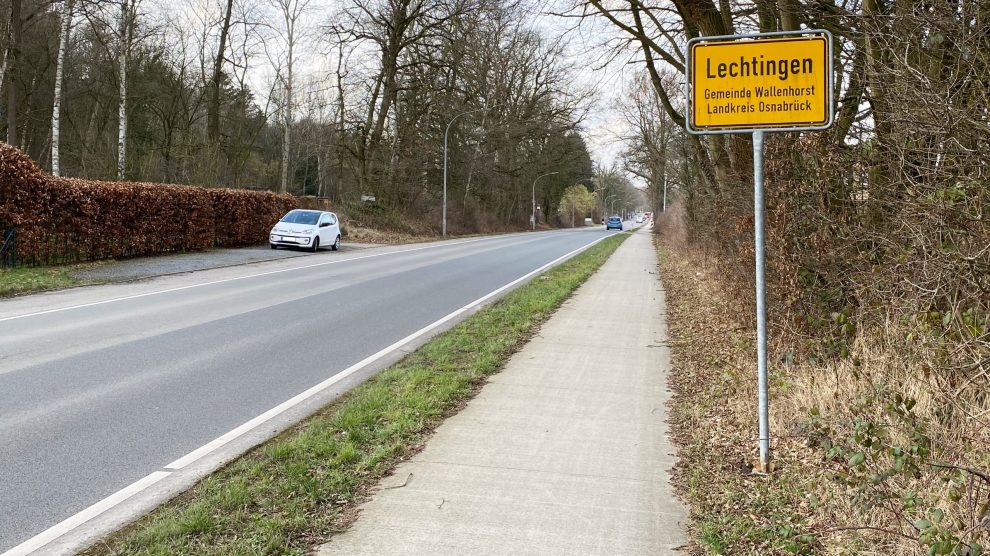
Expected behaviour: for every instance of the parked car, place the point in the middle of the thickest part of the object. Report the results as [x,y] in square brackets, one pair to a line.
[640,218]
[306,228]
[614,222]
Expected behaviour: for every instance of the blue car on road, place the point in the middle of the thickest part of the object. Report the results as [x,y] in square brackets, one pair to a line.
[614,222]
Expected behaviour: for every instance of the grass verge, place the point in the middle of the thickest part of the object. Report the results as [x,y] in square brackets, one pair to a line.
[25,280]
[296,490]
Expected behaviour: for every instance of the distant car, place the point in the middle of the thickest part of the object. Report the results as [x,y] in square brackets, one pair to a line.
[639,219]
[306,228]
[614,222]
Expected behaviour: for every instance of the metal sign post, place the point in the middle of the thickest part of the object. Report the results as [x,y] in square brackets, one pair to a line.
[754,84]
[761,307]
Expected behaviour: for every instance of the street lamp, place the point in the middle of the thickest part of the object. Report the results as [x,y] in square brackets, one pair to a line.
[605,206]
[444,225]
[603,188]
[614,206]
[532,217]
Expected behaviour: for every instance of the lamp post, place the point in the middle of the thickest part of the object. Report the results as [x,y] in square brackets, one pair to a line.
[605,207]
[445,133]
[532,217]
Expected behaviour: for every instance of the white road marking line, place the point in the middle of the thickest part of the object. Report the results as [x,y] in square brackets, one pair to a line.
[39,541]
[55,531]
[146,294]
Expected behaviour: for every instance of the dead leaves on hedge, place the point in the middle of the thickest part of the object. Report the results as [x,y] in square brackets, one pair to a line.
[101,219]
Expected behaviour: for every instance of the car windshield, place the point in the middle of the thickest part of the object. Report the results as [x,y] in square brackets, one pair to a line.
[614,219]
[301,217]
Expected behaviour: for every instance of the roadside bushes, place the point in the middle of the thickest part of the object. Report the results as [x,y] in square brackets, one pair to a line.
[878,289]
[61,219]
[245,217]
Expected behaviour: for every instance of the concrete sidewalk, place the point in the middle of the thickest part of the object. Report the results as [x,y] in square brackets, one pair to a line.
[563,452]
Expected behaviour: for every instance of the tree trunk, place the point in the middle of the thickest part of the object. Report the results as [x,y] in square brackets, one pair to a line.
[12,59]
[3,67]
[341,131]
[286,138]
[122,55]
[213,108]
[59,69]
[790,16]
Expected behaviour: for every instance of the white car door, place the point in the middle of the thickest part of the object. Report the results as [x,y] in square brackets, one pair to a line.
[324,230]
[334,228]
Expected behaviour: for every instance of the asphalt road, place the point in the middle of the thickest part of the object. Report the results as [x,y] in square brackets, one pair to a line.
[100,386]
[147,267]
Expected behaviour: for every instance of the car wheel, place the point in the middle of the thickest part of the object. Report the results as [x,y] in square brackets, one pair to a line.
[336,244]
[316,245]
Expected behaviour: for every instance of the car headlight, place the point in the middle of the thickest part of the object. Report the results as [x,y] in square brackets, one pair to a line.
[307,232]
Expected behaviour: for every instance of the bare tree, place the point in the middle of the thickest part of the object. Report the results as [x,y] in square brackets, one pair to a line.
[63,45]
[395,27]
[11,61]
[213,107]
[291,12]
[128,14]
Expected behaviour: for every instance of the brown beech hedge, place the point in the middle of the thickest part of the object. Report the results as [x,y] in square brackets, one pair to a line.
[60,219]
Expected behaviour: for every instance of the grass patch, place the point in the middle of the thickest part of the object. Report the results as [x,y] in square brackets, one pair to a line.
[294,491]
[24,280]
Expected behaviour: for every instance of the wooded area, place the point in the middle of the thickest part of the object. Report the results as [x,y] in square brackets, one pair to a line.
[291,96]
[878,246]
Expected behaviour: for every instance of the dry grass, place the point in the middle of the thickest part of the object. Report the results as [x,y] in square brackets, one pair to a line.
[858,441]
[371,235]
[865,388]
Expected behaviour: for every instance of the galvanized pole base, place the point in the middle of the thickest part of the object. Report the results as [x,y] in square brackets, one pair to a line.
[763,466]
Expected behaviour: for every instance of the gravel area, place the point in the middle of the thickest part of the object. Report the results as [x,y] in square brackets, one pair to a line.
[147,267]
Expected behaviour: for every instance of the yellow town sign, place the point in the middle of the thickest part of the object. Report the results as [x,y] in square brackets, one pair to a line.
[767,83]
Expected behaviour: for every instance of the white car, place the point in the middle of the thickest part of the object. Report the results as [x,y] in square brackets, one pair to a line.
[640,218]
[306,228]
